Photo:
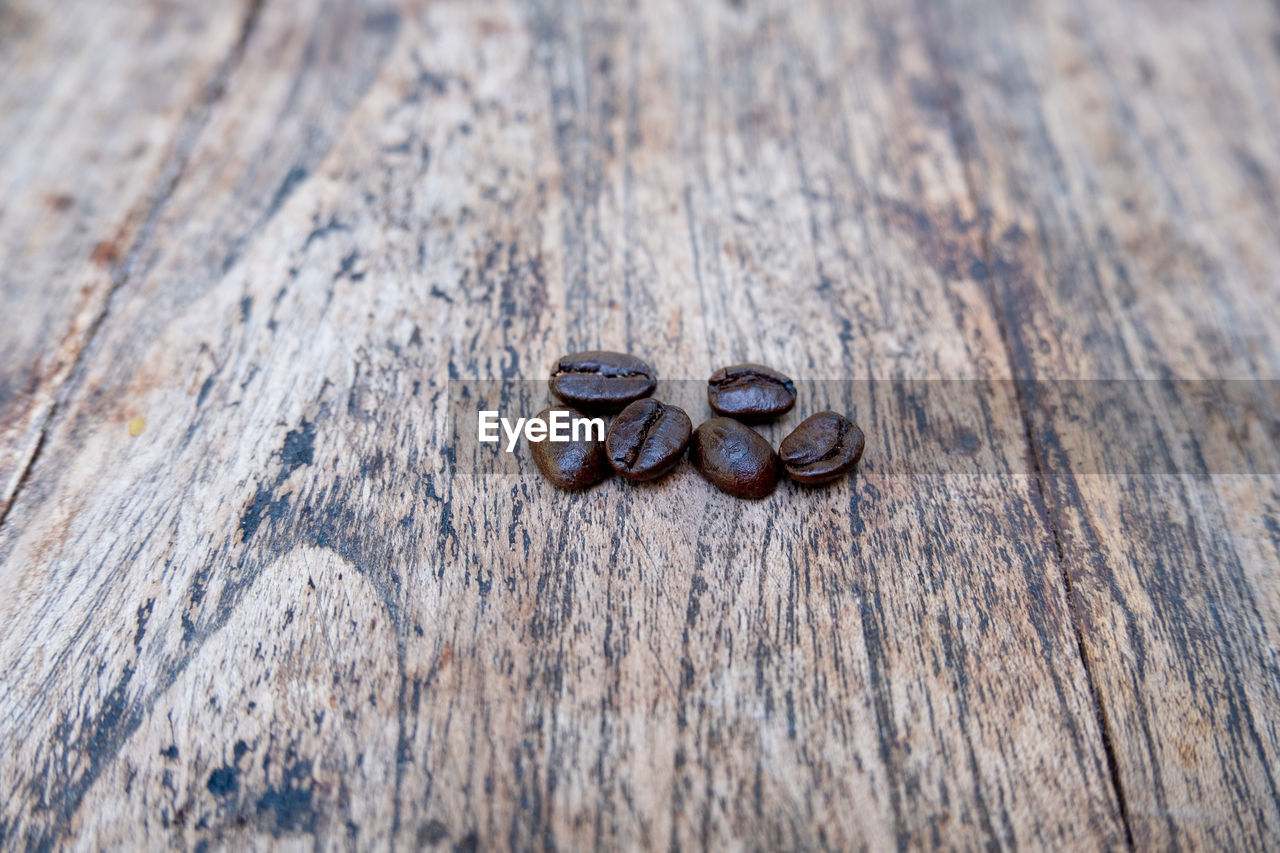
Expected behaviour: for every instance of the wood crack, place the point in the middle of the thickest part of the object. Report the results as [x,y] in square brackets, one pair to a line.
[122,271]
[171,175]
[951,109]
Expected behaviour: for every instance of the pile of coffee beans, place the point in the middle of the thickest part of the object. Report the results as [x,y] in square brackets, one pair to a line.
[647,437]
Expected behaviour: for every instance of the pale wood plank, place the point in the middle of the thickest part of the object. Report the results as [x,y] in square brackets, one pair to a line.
[96,118]
[891,662]
[276,617]
[1124,154]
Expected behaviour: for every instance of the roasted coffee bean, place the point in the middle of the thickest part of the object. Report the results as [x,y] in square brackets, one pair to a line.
[600,381]
[822,448]
[646,439]
[570,464]
[734,458]
[750,392]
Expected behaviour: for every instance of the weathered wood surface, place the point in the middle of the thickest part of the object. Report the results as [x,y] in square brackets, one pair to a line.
[1130,235]
[274,232]
[94,134]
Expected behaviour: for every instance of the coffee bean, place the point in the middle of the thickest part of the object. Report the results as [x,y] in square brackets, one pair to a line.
[646,439]
[734,458]
[750,392]
[600,381]
[570,464]
[823,447]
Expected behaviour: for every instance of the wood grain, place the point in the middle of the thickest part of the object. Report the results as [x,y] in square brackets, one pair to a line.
[249,602]
[95,137]
[1127,239]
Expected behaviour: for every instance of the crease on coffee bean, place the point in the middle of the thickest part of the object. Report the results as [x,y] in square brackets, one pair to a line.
[645,426]
[836,446]
[745,377]
[607,372]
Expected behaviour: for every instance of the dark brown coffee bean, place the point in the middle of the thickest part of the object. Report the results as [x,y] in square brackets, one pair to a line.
[600,381]
[570,464]
[646,439]
[734,458]
[750,392]
[823,447]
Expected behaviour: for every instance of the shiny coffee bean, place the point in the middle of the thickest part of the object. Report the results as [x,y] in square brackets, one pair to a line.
[570,464]
[600,381]
[823,447]
[646,439]
[734,458]
[750,392]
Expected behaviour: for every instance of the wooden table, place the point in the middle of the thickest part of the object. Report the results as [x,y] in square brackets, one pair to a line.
[248,601]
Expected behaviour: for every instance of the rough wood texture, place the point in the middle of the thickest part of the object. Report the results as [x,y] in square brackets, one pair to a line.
[1129,236]
[94,134]
[276,615]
